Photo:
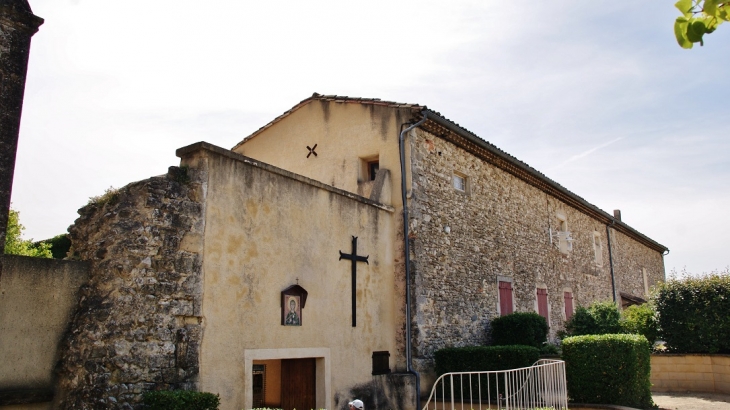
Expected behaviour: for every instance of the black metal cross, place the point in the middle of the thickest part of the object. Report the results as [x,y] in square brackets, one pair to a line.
[311,150]
[354,258]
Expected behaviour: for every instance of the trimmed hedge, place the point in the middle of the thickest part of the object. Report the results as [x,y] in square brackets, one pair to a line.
[180,400]
[608,369]
[693,314]
[519,328]
[481,358]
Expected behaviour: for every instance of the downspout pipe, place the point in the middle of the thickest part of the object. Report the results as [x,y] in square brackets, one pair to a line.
[407,252]
[610,258]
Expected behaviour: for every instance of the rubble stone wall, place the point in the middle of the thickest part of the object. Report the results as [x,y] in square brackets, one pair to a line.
[499,228]
[137,327]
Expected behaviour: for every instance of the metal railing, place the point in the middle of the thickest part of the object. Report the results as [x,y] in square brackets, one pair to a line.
[541,385]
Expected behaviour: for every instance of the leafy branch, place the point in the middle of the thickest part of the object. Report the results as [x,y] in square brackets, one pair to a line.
[699,17]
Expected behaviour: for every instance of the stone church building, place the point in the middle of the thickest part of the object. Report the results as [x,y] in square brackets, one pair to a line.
[276,273]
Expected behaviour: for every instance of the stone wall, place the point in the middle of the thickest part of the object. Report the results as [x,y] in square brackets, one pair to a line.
[499,227]
[138,323]
[37,299]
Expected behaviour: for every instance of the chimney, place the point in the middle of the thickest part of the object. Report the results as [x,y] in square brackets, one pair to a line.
[617,214]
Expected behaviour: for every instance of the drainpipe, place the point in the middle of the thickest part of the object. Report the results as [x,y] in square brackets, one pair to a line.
[407,251]
[610,258]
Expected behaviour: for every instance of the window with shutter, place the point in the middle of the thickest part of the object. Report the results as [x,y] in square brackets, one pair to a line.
[542,303]
[505,298]
[568,296]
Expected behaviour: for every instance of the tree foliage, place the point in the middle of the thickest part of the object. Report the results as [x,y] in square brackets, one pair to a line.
[693,314]
[699,17]
[641,320]
[600,318]
[16,245]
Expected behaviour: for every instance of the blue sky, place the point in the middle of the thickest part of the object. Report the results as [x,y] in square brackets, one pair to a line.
[597,95]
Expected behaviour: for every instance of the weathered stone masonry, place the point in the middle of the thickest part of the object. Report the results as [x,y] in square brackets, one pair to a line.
[137,327]
[500,227]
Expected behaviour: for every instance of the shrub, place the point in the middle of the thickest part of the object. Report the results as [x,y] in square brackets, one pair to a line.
[110,196]
[598,319]
[528,329]
[640,320]
[482,358]
[180,400]
[693,314]
[608,369]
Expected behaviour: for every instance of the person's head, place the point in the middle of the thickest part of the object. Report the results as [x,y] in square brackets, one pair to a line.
[356,405]
[292,305]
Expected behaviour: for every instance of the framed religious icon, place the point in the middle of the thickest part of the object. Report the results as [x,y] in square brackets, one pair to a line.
[293,299]
[294,313]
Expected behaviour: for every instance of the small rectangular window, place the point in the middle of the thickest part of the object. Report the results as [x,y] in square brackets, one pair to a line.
[597,251]
[459,182]
[373,167]
[505,298]
[381,363]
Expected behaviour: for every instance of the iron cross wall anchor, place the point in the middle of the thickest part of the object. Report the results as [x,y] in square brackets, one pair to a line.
[354,258]
[311,150]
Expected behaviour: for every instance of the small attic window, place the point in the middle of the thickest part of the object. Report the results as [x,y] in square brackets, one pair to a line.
[373,167]
[369,167]
[459,182]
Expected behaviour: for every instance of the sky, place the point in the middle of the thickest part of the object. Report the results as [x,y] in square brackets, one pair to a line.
[596,95]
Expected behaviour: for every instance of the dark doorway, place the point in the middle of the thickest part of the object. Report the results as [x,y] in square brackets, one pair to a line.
[298,384]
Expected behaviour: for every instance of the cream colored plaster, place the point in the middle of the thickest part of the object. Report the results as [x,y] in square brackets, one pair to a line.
[265,231]
[345,134]
[37,300]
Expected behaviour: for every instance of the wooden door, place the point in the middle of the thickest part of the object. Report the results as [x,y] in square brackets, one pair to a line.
[298,384]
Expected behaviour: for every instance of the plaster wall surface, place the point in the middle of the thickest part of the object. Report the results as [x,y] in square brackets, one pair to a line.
[346,135]
[268,229]
[37,299]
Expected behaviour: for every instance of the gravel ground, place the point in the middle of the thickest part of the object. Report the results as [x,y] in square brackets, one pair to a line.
[692,401]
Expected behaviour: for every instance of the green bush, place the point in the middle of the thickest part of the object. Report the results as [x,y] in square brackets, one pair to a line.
[693,314]
[641,320]
[481,358]
[180,400]
[600,318]
[520,328]
[608,369]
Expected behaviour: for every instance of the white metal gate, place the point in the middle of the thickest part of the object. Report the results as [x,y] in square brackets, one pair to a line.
[541,385]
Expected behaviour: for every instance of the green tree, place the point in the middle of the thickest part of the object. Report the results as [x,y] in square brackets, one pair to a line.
[699,17]
[600,318]
[16,245]
[641,320]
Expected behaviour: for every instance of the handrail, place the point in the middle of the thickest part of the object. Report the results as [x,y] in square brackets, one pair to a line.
[541,385]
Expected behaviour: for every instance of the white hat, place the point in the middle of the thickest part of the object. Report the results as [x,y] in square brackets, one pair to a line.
[357,404]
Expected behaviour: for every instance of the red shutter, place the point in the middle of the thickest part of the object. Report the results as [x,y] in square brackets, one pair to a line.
[505,298]
[542,303]
[568,305]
